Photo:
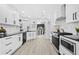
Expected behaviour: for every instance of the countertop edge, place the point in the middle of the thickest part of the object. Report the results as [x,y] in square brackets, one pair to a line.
[71,38]
[14,34]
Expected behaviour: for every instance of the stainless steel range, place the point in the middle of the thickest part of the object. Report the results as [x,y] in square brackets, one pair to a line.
[69,45]
[56,36]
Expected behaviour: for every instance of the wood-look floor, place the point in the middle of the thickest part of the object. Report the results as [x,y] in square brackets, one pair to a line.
[38,46]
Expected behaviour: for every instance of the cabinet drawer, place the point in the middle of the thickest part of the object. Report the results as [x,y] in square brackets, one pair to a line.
[9,39]
[8,51]
[12,39]
[8,44]
[9,48]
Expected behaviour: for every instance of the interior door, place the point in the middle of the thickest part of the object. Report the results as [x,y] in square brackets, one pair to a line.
[40,29]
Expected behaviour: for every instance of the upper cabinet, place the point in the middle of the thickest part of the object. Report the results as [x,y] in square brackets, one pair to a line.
[72,13]
[8,16]
[61,12]
[2,14]
[32,25]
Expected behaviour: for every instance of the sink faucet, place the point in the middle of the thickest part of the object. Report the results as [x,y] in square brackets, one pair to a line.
[62,30]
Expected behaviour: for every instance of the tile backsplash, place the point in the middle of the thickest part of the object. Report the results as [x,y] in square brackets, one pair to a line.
[70,27]
[11,29]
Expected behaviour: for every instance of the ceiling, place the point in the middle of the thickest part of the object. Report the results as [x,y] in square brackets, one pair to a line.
[35,10]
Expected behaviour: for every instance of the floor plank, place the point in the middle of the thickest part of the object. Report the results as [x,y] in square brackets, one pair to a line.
[38,46]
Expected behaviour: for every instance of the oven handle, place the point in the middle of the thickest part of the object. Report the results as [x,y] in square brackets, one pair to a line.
[68,41]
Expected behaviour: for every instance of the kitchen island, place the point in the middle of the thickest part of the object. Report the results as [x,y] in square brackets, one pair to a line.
[10,43]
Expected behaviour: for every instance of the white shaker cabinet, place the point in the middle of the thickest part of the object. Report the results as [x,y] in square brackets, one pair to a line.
[31,35]
[15,18]
[12,17]
[2,46]
[24,25]
[19,40]
[5,14]
[6,45]
[9,45]
[2,14]
[8,16]
[72,13]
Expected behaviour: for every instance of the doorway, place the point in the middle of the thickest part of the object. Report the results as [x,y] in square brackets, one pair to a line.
[40,29]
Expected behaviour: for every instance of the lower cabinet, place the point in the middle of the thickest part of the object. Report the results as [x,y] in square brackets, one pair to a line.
[9,45]
[31,35]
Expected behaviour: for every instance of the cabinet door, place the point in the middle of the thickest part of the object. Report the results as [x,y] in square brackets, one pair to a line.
[2,46]
[15,17]
[72,13]
[20,39]
[7,16]
[24,25]
[28,35]
[9,45]
[2,14]
[69,13]
[77,11]
[15,39]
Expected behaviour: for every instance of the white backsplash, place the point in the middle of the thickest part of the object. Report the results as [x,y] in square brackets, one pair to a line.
[11,29]
[70,27]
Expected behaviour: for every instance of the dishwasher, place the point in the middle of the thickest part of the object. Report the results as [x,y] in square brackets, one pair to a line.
[24,37]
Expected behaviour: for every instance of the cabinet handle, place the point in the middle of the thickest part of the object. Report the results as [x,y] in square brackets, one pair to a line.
[5,19]
[75,15]
[9,51]
[19,38]
[14,22]
[8,43]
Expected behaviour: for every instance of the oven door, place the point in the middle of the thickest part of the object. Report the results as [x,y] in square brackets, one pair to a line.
[70,46]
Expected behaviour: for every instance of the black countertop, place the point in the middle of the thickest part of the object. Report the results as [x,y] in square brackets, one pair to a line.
[17,33]
[73,37]
[14,34]
[57,34]
[31,31]
[63,33]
